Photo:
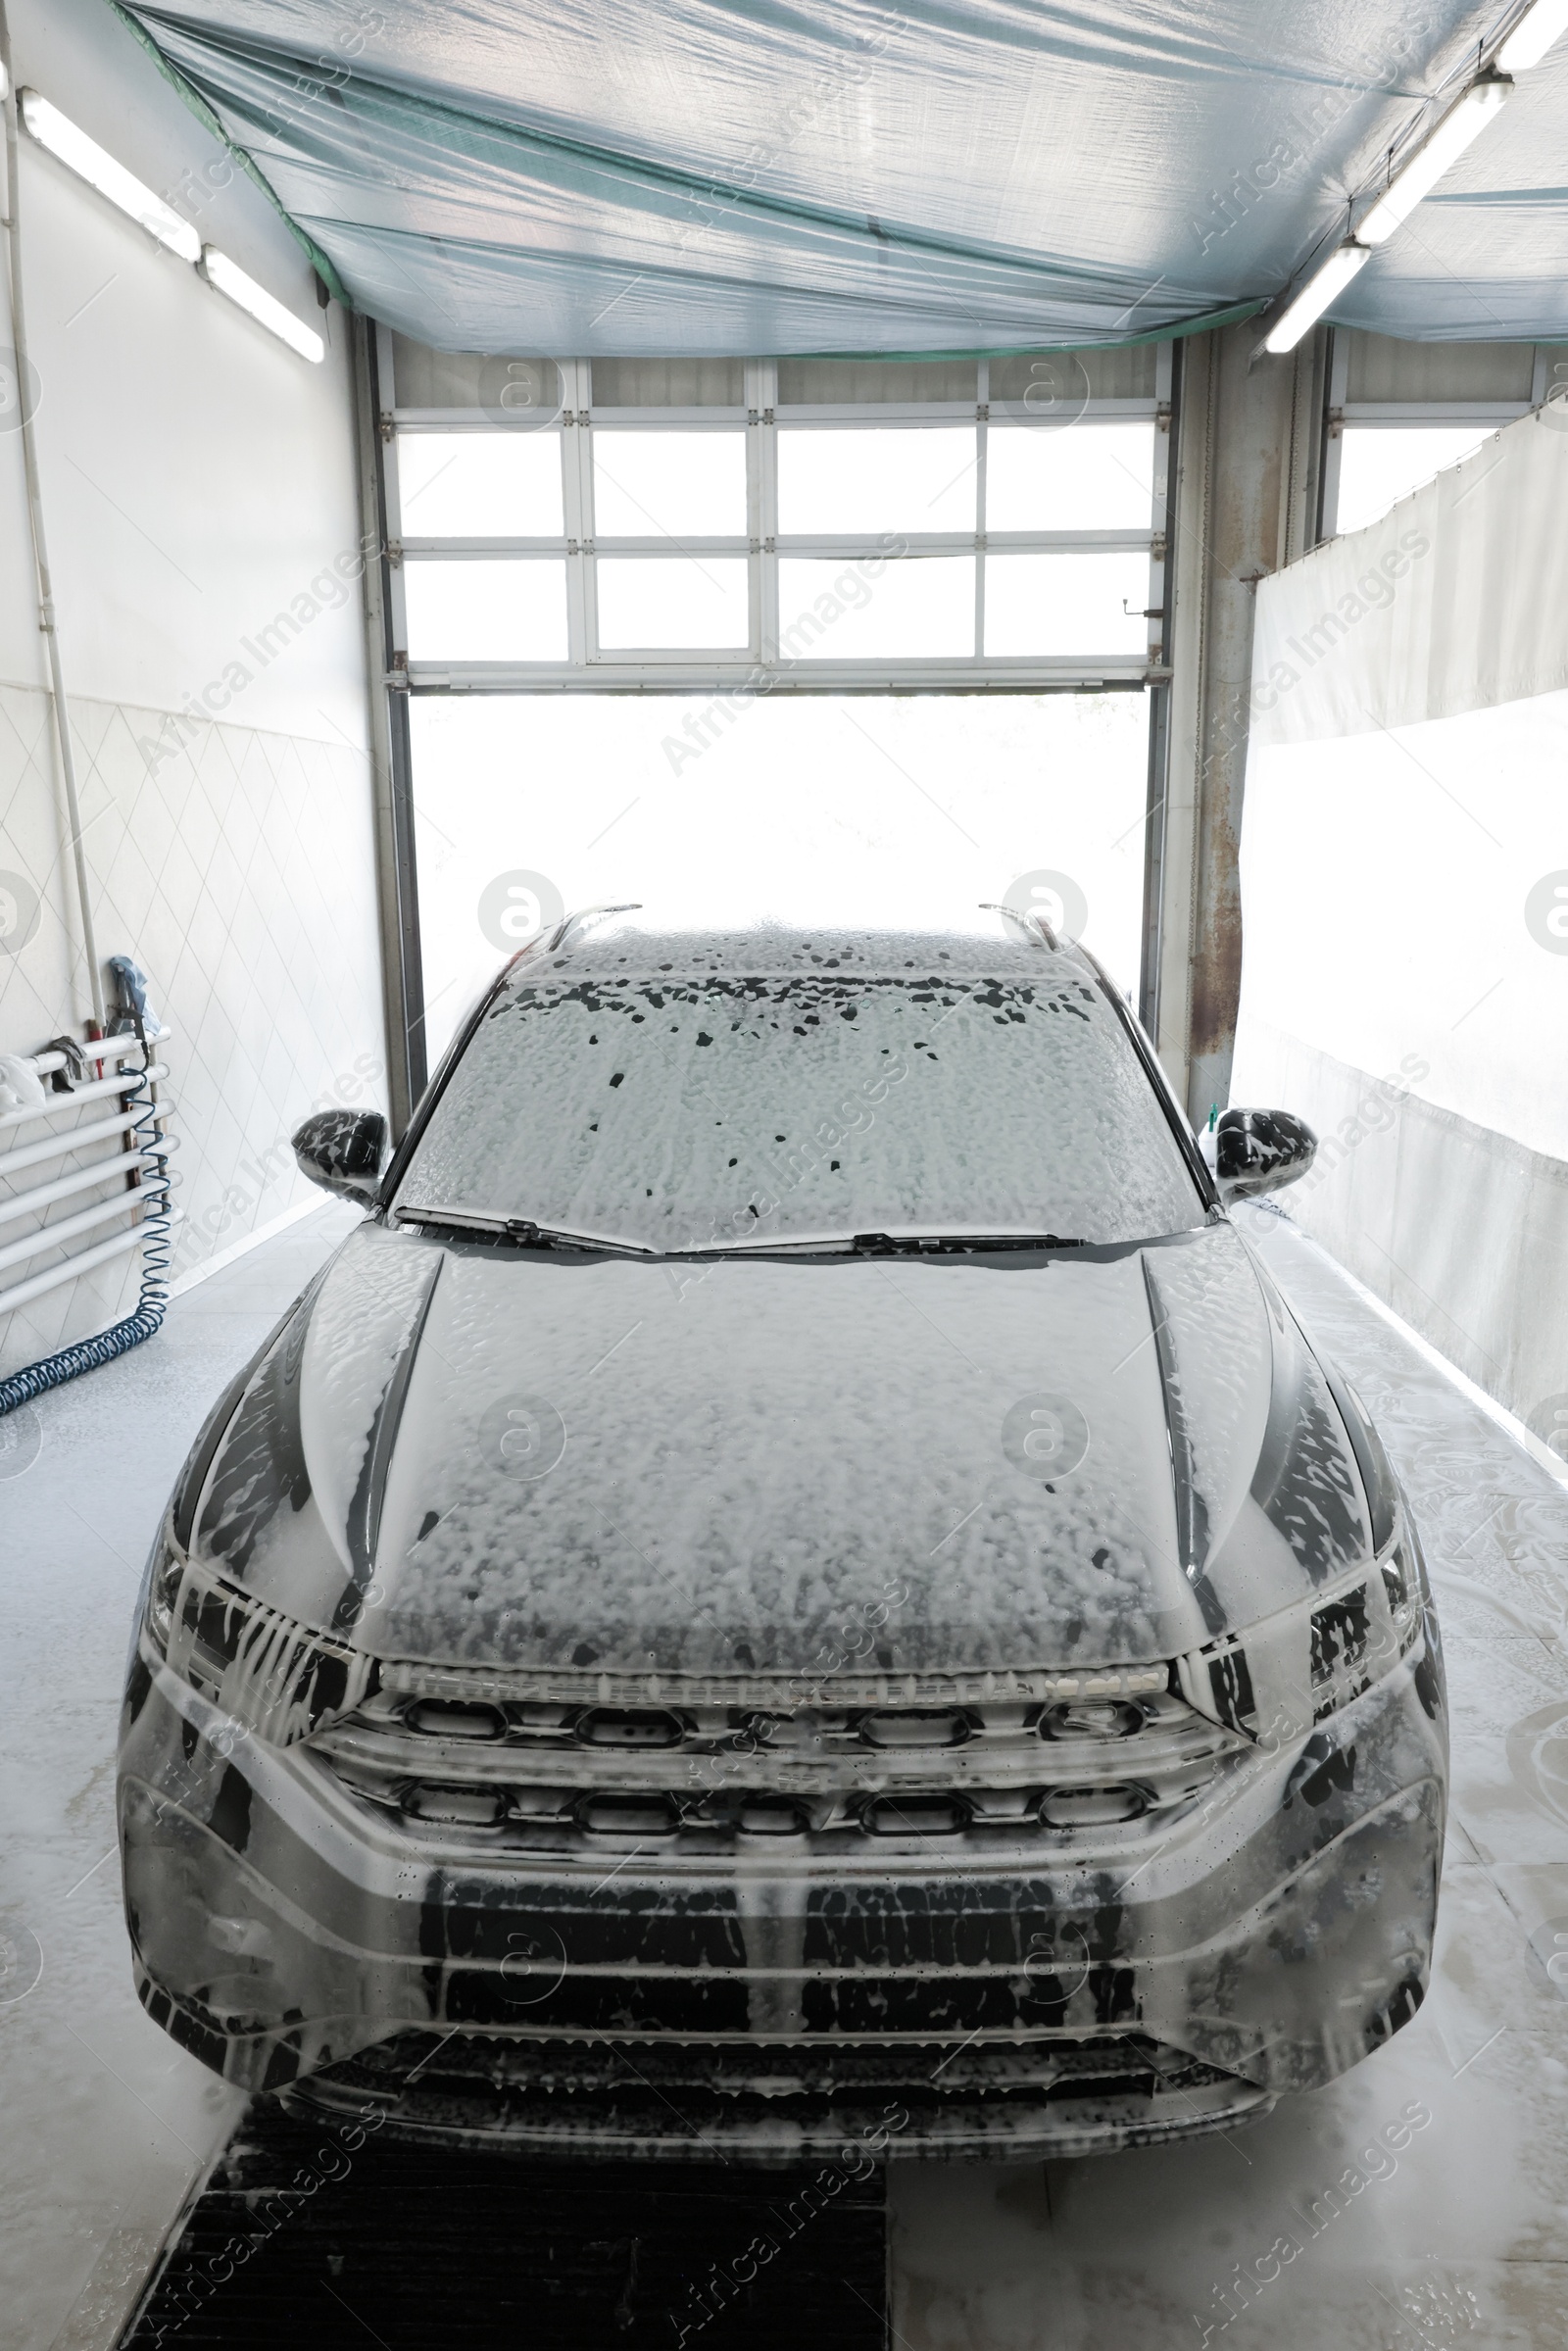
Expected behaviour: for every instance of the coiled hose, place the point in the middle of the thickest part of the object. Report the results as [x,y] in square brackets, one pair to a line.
[35,1379]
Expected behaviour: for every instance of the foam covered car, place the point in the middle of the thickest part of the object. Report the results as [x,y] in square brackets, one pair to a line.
[796,1569]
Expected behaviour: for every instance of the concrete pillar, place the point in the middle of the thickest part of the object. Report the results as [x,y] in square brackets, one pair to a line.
[1246,501]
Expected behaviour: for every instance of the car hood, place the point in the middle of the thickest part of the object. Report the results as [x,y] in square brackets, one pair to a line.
[482,1457]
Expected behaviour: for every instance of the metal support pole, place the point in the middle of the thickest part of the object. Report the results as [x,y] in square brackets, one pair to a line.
[41,549]
[397,878]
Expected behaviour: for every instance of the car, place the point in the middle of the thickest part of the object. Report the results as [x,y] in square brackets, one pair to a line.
[794,1580]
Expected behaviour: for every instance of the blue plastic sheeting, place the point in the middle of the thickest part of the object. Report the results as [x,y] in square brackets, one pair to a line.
[827,176]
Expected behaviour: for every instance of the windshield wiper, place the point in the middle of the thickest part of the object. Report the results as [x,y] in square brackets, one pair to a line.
[520,1232]
[933,1244]
[479,1224]
[887,1244]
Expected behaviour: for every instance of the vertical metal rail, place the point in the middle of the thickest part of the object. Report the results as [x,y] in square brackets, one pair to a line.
[40,550]
[1337,377]
[391,764]
[982,451]
[577,508]
[762,401]
[1167,425]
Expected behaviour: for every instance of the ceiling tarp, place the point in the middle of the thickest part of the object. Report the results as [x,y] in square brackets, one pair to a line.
[706,177]
[1485,259]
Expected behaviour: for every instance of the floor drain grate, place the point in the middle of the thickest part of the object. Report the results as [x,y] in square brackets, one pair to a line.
[301,2240]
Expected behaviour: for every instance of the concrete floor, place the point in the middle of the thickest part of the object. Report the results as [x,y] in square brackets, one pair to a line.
[1460,2238]
[105,2122]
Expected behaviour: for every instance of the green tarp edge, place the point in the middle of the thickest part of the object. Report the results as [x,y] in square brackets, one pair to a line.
[320,262]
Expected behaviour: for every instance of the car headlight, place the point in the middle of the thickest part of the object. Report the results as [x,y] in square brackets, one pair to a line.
[265,1671]
[1279,1677]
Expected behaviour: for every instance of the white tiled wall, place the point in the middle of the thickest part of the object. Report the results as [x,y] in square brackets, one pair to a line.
[240,875]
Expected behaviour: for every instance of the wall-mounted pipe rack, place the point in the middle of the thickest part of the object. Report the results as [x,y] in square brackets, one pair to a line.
[137,1144]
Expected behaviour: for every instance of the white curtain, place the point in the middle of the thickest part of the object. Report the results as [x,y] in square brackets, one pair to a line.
[1404,894]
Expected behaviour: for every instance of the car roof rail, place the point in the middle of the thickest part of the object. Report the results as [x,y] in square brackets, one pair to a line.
[574,923]
[1033,925]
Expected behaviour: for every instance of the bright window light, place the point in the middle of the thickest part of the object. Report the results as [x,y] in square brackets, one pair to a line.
[230,280]
[480,485]
[1431,159]
[486,611]
[1087,477]
[876,480]
[876,609]
[1380,464]
[52,130]
[1326,282]
[1532,37]
[902,810]
[675,485]
[1067,604]
[659,604]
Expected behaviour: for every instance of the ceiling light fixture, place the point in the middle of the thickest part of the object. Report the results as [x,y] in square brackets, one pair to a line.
[1434,155]
[1326,282]
[1532,37]
[1414,179]
[83,156]
[230,279]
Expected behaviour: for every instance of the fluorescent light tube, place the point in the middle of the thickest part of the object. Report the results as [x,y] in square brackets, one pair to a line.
[230,279]
[1329,279]
[1431,159]
[54,130]
[1532,37]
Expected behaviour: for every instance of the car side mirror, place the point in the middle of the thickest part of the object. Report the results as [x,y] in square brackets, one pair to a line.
[343,1152]
[1257,1150]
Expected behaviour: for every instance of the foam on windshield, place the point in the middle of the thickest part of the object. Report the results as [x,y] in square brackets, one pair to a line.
[661,1092]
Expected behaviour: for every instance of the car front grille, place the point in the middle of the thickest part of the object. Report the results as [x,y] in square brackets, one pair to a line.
[698,1778]
[694,2098]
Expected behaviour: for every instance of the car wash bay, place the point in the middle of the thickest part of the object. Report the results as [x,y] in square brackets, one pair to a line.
[847,472]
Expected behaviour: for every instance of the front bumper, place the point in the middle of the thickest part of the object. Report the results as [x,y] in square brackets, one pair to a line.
[1124,1988]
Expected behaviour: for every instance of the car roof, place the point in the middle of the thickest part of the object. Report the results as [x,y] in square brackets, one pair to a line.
[997,947]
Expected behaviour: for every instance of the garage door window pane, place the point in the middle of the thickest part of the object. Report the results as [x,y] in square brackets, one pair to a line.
[657,606]
[469,485]
[669,484]
[872,481]
[486,611]
[1379,464]
[1082,477]
[876,611]
[1066,604]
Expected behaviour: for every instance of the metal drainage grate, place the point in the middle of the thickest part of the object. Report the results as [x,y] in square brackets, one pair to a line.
[304,2237]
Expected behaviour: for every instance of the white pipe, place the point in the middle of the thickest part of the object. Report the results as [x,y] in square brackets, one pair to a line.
[23,1155]
[44,1196]
[94,1048]
[50,1235]
[84,1093]
[44,583]
[25,1292]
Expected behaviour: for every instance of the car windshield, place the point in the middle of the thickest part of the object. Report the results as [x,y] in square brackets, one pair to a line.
[720,1109]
